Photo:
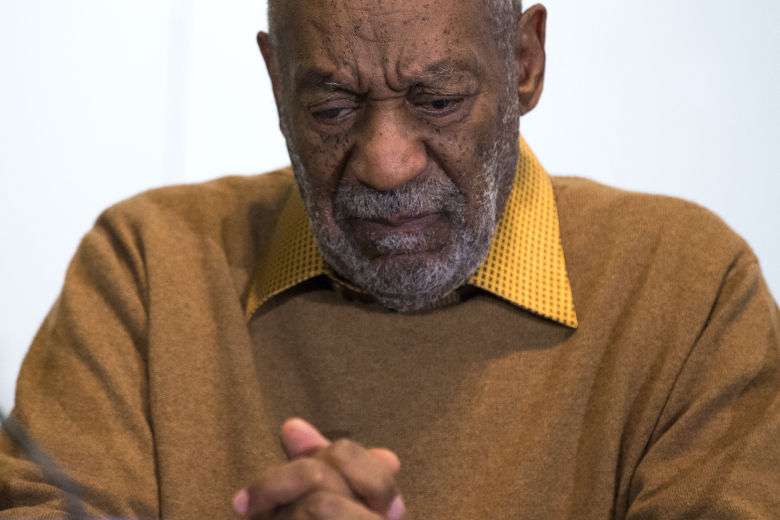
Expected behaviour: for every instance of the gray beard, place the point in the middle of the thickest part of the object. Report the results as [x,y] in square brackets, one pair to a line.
[417,281]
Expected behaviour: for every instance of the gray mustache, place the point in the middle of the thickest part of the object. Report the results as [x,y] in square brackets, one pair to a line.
[419,196]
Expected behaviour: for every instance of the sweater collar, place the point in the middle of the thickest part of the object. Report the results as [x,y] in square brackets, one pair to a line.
[525,265]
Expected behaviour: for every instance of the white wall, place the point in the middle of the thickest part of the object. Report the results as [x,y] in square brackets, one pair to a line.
[100,100]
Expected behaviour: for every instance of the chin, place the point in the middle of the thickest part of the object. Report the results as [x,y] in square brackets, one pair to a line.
[407,282]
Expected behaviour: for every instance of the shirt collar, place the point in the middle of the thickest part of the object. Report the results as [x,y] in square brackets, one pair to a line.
[525,265]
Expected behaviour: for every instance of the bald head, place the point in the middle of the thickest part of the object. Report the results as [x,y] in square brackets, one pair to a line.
[503,16]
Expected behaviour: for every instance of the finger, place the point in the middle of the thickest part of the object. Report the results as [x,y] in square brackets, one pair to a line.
[370,477]
[388,458]
[301,439]
[287,483]
[322,505]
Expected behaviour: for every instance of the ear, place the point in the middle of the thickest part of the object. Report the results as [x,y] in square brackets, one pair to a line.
[271,63]
[530,57]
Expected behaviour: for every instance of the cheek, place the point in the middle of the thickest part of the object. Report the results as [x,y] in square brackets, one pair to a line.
[322,155]
[460,152]
[475,132]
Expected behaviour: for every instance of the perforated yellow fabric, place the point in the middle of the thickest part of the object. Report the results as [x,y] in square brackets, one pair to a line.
[293,256]
[525,265]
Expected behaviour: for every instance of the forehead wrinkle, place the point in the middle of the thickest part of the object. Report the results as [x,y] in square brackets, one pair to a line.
[331,64]
[444,71]
[366,24]
[385,25]
[338,60]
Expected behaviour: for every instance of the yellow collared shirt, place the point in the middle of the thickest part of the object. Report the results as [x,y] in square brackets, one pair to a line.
[525,265]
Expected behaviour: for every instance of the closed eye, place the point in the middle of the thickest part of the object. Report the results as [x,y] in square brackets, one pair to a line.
[438,106]
[443,104]
[330,113]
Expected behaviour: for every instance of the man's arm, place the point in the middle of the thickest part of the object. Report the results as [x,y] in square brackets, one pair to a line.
[82,390]
[715,450]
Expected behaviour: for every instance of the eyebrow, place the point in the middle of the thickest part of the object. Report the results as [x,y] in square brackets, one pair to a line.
[442,72]
[436,74]
[319,79]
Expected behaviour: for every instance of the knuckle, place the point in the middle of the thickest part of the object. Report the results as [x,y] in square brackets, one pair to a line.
[345,449]
[371,479]
[322,505]
[313,470]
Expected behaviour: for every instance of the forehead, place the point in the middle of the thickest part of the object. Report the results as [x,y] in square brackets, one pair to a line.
[385,40]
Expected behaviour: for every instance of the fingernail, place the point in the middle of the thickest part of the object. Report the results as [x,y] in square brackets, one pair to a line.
[397,509]
[241,502]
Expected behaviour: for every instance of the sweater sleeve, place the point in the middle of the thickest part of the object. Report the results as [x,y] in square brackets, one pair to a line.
[82,390]
[715,451]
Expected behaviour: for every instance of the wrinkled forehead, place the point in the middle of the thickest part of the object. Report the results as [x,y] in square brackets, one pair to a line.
[396,36]
[378,19]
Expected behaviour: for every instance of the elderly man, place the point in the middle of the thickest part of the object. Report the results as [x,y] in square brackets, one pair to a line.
[518,346]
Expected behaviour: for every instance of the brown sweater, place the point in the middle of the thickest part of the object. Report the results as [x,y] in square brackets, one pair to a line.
[149,387]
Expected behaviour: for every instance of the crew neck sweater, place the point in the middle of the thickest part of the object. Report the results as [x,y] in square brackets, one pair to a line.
[149,386]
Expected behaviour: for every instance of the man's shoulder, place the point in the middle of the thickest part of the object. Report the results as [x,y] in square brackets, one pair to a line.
[587,207]
[583,194]
[622,236]
[207,203]
[230,206]
[229,220]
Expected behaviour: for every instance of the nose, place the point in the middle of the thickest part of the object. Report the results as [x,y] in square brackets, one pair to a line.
[388,151]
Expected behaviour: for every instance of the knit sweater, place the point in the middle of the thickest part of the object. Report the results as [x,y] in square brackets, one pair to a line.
[150,388]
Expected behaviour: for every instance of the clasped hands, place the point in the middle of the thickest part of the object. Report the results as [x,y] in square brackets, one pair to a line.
[324,480]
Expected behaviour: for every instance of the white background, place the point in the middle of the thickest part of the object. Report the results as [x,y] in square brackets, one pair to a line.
[100,100]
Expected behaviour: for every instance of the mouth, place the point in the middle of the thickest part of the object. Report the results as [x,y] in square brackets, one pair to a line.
[400,235]
[401,223]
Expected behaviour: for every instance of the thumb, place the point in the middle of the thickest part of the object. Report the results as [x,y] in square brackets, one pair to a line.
[301,439]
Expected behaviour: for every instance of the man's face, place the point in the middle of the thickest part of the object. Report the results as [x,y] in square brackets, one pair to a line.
[401,119]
